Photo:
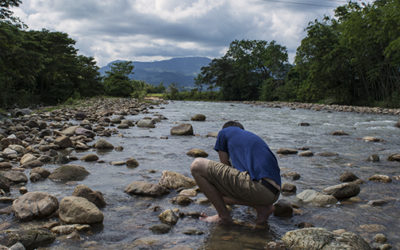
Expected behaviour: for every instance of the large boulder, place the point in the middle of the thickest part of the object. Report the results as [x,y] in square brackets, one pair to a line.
[30,238]
[321,239]
[103,144]
[315,198]
[175,180]
[146,189]
[78,210]
[15,176]
[95,197]
[343,191]
[69,173]
[182,129]
[34,205]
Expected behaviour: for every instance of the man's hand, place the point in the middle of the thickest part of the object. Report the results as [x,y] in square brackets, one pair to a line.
[224,158]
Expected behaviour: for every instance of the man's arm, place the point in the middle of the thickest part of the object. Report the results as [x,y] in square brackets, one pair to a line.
[224,158]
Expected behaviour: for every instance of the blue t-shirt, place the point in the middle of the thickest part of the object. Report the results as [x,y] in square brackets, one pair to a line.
[248,152]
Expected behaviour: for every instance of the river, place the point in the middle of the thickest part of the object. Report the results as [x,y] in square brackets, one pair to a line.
[127,218]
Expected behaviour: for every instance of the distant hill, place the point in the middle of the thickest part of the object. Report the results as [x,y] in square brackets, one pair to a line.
[176,70]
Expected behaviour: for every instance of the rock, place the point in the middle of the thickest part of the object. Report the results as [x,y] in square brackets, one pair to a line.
[15,176]
[283,209]
[198,117]
[304,124]
[146,123]
[95,197]
[63,229]
[182,129]
[348,177]
[132,163]
[316,198]
[103,144]
[212,134]
[32,164]
[118,163]
[146,189]
[69,131]
[63,142]
[377,203]
[373,158]
[306,153]
[339,133]
[192,231]
[5,183]
[20,149]
[80,116]
[35,177]
[89,157]
[23,190]
[175,180]
[182,200]
[288,188]
[380,178]
[27,158]
[327,154]
[78,210]
[160,228]
[44,173]
[123,126]
[372,228]
[380,238]
[291,175]
[5,142]
[30,238]
[188,192]
[34,205]
[85,132]
[168,217]
[69,173]
[195,152]
[343,191]
[371,139]
[16,246]
[286,151]
[5,166]
[320,238]
[394,157]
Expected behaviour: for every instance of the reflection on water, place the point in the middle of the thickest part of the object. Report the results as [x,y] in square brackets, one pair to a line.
[128,218]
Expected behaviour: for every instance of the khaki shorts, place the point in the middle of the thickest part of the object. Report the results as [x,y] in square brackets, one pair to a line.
[238,185]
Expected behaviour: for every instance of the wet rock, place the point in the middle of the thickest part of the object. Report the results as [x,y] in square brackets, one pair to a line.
[198,117]
[304,225]
[348,177]
[192,231]
[63,142]
[118,163]
[16,246]
[316,198]
[69,131]
[380,178]
[283,208]
[394,157]
[145,123]
[195,152]
[168,217]
[380,238]
[173,180]
[188,192]
[78,210]
[320,238]
[23,190]
[30,238]
[5,142]
[32,164]
[288,188]
[20,149]
[85,132]
[35,177]
[371,139]
[339,133]
[377,203]
[103,144]
[90,157]
[160,228]
[132,163]
[146,189]
[123,126]
[372,228]
[15,176]
[69,173]
[304,124]
[95,197]
[34,205]
[5,165]
[182,200]
[306,153]
[327,154]
[291,175]
[212,134]
[286,151]
[373,158]
[80,116]
[343,191]
[5,183]
[27,158]
[182,129]
[67,229]
[44,173]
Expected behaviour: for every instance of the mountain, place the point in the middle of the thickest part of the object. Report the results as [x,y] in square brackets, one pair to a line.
[181,71]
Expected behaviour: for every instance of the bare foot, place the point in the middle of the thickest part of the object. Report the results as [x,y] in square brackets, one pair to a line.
[263,214]
[214,219]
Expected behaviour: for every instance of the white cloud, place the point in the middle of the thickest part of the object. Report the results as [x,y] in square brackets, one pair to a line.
[157,29]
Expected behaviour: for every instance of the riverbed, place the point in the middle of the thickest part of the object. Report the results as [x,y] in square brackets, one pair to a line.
[127,218]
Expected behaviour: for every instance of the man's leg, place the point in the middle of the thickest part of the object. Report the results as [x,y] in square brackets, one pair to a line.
[199,172]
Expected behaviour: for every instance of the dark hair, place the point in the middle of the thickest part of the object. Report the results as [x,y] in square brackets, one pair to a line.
[233,124]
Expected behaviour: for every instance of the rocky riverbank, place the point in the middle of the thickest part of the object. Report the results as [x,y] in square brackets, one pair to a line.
[30,142]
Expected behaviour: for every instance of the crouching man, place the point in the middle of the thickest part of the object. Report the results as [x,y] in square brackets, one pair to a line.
[253,179]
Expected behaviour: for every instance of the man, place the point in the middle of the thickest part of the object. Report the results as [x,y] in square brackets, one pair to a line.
[253,179]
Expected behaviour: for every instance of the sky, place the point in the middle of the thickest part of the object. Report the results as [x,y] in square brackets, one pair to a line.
[150,30]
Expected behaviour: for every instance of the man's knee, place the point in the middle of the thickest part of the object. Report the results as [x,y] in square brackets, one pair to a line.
[199,166]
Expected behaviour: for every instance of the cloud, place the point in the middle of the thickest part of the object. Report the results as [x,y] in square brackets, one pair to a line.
[157,29]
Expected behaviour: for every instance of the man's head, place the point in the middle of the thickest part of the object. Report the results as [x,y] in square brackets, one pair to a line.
[233,124]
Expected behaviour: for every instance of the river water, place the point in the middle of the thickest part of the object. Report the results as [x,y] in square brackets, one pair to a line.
[127,218]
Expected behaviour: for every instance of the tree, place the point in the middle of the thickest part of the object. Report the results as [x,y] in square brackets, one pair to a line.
[117,82]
